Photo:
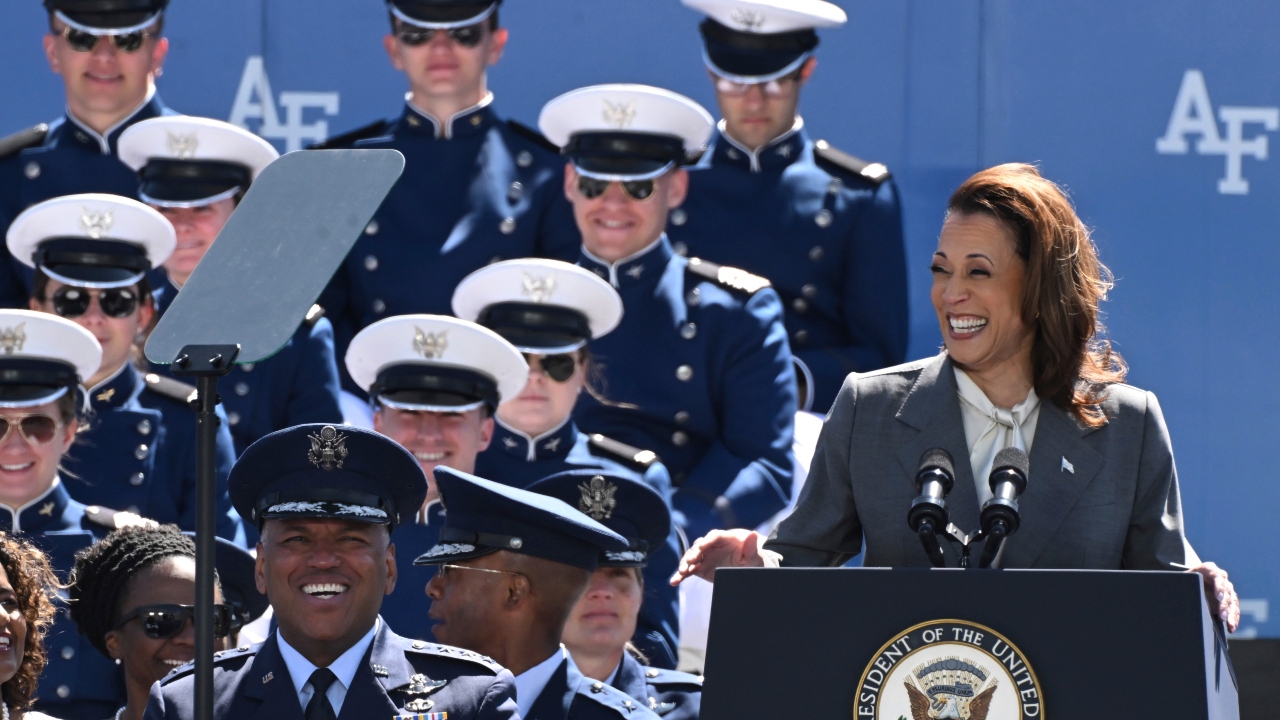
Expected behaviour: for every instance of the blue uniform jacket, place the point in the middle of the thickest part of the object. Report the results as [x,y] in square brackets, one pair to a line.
[71,159]
[253,683]
[78,682]
[405,609]
[828,238]
[670,694]
[569,695]
[139,454]
[518,460]
[474,190]
[707,379]
[297,385]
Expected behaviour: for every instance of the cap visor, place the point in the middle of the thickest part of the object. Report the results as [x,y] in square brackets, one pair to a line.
[185,195]
[92,276]
[614,168]
[22,396]
[452,552]
[752,66]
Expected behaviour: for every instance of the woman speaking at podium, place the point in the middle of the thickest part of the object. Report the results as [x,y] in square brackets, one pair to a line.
[1016,287]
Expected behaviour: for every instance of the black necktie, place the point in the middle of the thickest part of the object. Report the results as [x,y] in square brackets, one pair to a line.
[319,707]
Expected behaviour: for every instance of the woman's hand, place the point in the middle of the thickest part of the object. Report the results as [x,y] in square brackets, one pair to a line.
[1217,588]
[719,548]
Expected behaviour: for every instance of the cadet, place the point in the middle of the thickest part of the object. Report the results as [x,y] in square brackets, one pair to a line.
[601,623]
[698,371]
[550,310]
[326,499]
[475,188]
[109,54]
[92,254]
[512,565]
[194,171]
[823,226]
[434,383]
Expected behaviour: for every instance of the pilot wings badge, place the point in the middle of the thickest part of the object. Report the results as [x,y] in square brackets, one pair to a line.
[430,345]
[12,339]
[328,448]
[538,289]
[598,498]
[96,224]
[619,115]
[182,147]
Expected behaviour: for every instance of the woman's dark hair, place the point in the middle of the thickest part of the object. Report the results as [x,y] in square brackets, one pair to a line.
[35,586]
[594,380]
[102,573]
[1072,363]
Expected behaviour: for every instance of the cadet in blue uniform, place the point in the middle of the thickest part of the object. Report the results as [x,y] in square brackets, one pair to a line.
[434,383]
[550,310]
[601,623]
[92,253]
[109,53]
[699,370]
[512,565]
[476,188]
[194,171]
[327,500]
[823,226]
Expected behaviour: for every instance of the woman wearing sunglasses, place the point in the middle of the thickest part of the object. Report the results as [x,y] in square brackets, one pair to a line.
[550,310]
[28,588]
[91,254]
[132,596]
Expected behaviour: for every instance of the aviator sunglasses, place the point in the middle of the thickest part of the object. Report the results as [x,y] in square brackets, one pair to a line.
[557,367]
[781,87]
[161,622]
[81,41]
[36,428]
[467,37]
[591,188]
[72,302]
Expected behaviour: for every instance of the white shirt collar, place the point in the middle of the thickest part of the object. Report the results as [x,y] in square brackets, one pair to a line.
[531,682]
[613,678]
[445,129]
[344,668]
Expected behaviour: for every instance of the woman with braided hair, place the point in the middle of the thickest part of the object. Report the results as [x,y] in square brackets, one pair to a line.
[132,596]
[27,589]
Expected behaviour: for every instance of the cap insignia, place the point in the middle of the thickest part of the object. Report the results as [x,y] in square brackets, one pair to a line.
[628,556]
[748,19]
[12,339]
[182,147]
[539,289]
[328,449]
[619,115]
[96,224]
[597,498]
[361,510]
[430,345]
[296,507]
[449,549]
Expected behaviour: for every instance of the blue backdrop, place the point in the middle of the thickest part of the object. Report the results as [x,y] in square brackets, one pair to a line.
[1155,114]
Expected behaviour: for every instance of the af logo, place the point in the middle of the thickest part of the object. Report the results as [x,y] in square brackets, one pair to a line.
[949,670]
[294,131]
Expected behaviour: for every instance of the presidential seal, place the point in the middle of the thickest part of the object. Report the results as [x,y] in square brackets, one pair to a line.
[949,670]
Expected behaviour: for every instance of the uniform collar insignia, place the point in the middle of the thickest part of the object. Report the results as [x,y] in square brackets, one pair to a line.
[47,509]
[268,678]
[551,445]
[96,224]
[182,147]
[597,498]
[619,115]
[430,345]
[328,448]
[539,289]
[12,339]
[379,670]
[105,395]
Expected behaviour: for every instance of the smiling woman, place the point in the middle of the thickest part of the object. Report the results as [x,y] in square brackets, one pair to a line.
[27,589]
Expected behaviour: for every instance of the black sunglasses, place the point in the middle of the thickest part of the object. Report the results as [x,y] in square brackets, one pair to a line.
[468,37]
[591,188]
[72,302]
[161,622]
[81,41]
[557,367]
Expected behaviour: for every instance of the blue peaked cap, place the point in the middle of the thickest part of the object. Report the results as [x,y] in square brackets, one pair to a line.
[621,503]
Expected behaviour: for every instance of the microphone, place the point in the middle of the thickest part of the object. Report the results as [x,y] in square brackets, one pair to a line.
[1000,515]
[928,514]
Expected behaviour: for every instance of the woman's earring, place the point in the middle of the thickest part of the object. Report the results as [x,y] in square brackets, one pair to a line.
[117,661]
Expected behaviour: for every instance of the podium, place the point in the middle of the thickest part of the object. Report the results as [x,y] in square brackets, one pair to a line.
[934,644]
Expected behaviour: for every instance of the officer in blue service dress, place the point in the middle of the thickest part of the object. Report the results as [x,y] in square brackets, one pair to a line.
[699,370]
[823,226]
[476,188]
[597,633]
[108,53]
[550,310]
[194,171]
[512,565]
[92,253]
[434,383]
[327,500]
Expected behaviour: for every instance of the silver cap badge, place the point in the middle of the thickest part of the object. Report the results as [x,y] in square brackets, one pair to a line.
[182,147]
[12,339]
[748,19]
[430,345]
[597,498]
[328,449]
[619,115]
[539,289]
[96,224]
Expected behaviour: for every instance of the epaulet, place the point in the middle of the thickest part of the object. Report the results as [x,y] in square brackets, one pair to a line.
[313,316]
[730,277]
[116,519]
[622,452]
[219,658]
[872,172]
[371,130]
[533,136]
[614,699]
[23,139]
[658,676]
[421,647]
[170,388]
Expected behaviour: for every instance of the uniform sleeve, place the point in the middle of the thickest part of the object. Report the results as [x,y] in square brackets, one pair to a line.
[225,456]
[1156,539]
[558,235]
[874,299]
[13,288]
[658,626]
[155,704]
[744,477]
[336,301]
[824,529]
[500,699]
[313,395]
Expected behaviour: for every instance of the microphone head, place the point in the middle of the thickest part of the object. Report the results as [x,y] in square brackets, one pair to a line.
[937,458]
[1012,457]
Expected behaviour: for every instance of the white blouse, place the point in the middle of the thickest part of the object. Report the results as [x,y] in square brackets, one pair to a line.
[989,429]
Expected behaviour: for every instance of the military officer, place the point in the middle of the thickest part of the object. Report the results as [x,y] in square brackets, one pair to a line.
[91,254]
[699,370]
[434,383]
[108,53]
[512,565]
[550,310]
[476,188]
[194,171]
[823,226]
[327,500]
[599,626]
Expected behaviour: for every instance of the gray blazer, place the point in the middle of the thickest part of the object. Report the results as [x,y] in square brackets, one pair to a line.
[1097,498]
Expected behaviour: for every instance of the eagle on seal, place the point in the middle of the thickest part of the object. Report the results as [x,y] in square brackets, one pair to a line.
[952,708]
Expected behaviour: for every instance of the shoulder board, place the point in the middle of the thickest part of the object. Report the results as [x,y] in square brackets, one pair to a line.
[621,451]
[23,139]
[533,136]
[115,519]
[222,656]
[371,130]
[313,316]
[421,647]
[730,277]
[170,388]
[614,699]
[658,676]
[872,172]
